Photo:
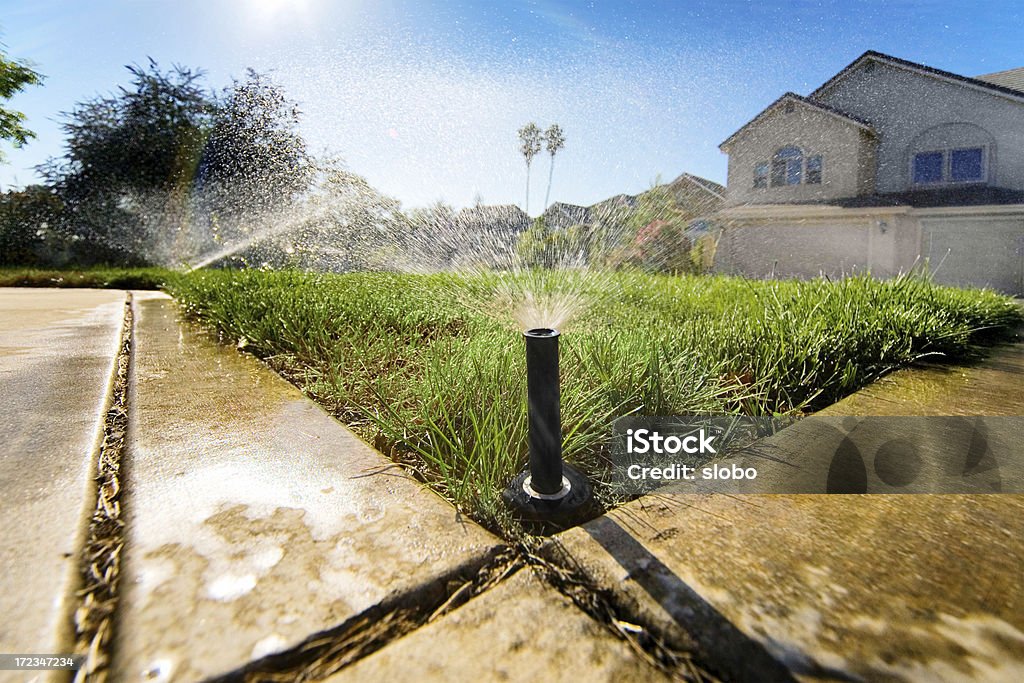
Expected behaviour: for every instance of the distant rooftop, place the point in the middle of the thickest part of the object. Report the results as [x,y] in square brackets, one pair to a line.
[1011,78]
[709,185]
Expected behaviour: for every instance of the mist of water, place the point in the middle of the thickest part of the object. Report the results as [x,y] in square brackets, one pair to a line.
[527,275]
[532,272]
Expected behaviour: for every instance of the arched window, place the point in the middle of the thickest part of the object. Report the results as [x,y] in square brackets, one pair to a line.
[787,166]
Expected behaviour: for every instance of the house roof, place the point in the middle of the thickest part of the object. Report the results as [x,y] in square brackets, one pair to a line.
[561,214]
[981,84]
[492,211]
[709,186]
[807,102]
[1011,78]
[969,195]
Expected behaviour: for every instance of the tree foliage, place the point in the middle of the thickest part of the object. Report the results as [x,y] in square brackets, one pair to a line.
[542,246]
[27,220]
[662,246]
[166,167]
[529,147]
[656,234]
[554,140]
[350,225]
[254,153]
[128,163]
[15,76]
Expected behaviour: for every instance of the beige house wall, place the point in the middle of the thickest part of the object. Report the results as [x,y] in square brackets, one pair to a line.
[847,156]
[966,246]
[915,112]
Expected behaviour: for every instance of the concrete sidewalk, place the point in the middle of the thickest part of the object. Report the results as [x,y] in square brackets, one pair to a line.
[260,530]
[994,386]
[57,352]
[254,520]
[256,514]
[840,587]
[521,630]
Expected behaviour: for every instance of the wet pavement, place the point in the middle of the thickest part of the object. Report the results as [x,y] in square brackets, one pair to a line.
[993,386]
[57,351]
[255,521]
[886,587]
[845,587]
[254,513]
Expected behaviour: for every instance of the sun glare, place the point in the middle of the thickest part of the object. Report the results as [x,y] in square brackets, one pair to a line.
[271,10]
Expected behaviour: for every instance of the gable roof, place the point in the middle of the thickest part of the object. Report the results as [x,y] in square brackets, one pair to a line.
[564,215]
[977,83]
[709,186]
[807,102]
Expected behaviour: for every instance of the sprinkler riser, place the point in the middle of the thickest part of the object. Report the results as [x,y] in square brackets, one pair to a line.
[548,495]
[543,397]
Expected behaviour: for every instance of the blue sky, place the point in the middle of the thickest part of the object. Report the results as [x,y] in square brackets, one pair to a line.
[424,99]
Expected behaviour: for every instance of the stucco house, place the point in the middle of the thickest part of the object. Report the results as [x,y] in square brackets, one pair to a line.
[888,165]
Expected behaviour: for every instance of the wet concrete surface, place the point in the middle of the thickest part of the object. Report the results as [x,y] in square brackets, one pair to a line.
[993,386]
[57,353]
[837,587]
[520,630]
[881,454]
[843,587]
[254,518]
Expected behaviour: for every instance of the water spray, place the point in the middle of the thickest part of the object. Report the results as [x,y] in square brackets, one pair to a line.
[548,493]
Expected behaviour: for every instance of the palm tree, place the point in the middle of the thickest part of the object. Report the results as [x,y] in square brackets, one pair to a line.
[530,136]
[556,141]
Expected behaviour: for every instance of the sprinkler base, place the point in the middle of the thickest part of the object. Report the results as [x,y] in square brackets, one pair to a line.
[541,513]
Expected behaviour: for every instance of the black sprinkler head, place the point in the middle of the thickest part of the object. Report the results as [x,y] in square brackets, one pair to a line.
[548,495]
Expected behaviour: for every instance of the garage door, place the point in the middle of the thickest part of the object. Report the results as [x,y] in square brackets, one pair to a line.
[977,252]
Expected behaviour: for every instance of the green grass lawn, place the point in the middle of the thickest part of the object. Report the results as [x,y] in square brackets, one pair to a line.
[431,370]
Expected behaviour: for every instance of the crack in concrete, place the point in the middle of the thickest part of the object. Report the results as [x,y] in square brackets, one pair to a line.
[327,652]
[559,570]
[100,562]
